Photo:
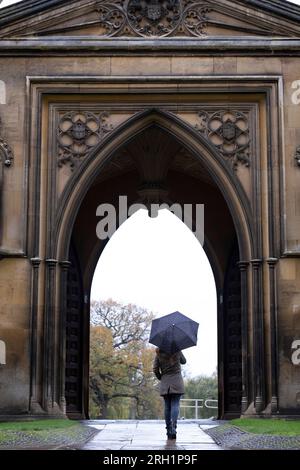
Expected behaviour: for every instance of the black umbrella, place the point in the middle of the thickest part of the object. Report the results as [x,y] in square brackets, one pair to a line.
[174,332]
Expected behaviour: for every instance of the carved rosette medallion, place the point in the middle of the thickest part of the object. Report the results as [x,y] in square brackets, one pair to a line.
[229,132]
[152,18]
[78,133]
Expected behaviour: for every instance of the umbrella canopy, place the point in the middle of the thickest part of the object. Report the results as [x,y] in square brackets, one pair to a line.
[174,332]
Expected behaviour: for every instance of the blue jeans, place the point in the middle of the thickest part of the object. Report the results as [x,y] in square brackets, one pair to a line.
[171,411]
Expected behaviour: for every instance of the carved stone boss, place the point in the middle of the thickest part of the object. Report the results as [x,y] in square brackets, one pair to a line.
[152,18]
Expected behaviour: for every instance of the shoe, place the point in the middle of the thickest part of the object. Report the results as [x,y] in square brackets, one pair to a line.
[173,437]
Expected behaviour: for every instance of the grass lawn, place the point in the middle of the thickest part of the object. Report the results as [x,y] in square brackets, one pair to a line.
[279,427]
[44,432]
[38,425]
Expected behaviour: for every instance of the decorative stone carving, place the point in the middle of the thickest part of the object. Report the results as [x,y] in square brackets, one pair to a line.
[297,156]
[229,132]
[6,153]
[78,132]
[2,353]
[152,18]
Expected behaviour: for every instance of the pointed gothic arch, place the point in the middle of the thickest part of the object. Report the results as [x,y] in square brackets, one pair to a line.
[245,250]
[203,150]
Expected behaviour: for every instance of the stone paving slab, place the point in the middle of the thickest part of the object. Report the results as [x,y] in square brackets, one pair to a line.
[148,435]
[234,438]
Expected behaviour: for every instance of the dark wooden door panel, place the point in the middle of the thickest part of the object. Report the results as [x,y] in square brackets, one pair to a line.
[74,331]
[232,338]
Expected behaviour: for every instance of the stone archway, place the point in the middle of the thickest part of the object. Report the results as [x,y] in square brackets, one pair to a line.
[179,82]
[182,185]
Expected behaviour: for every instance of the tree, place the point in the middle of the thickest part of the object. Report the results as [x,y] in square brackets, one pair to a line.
[203,387]
[121,379]
[128,324]
[150,404]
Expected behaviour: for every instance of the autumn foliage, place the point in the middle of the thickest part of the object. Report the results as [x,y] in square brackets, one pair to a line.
[122,384]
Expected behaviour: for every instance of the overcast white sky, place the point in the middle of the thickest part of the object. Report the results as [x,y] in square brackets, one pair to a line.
[159,264]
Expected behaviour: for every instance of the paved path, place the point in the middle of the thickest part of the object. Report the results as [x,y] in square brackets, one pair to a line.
[149,435]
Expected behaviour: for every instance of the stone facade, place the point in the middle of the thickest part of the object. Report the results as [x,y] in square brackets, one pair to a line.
[85,83]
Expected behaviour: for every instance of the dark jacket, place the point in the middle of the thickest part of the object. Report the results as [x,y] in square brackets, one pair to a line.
[168,370]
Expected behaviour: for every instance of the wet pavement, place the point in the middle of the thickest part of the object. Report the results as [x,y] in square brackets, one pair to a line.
[150,435]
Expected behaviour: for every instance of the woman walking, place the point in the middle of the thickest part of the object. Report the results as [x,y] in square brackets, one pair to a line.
[167,368]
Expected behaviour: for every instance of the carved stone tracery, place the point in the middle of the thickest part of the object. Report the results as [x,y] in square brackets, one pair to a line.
[229,132]
[6,160]
[78,133]
[152,18]
[6,153]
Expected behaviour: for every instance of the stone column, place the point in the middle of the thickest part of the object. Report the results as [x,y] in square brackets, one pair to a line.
[64,265]
[258,337]
[273,332]
[243,265]
[34,405]
[49,337]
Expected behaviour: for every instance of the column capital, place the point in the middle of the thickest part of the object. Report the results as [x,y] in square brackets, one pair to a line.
[272,262]
[51,263]
[35,262]
[256,263]
[243,265]
[65,265]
